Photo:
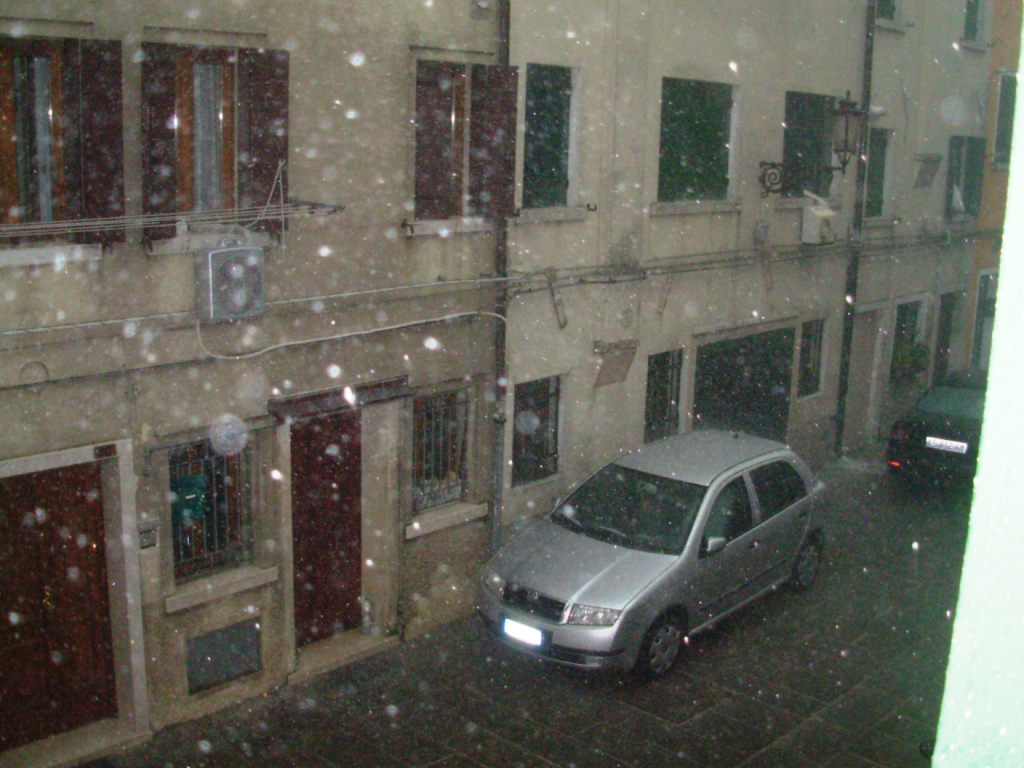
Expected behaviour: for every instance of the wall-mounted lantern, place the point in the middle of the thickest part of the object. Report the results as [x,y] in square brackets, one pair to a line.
[844,146]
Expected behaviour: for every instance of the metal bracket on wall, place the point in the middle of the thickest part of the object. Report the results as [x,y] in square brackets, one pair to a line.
[556,300]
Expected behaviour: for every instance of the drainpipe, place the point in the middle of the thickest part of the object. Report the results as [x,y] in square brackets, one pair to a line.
[855,243]
[500,308]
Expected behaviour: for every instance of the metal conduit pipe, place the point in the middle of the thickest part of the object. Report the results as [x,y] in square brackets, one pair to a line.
[853,265]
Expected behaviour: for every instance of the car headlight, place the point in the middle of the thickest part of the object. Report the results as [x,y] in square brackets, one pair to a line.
[593,616]
[494,582]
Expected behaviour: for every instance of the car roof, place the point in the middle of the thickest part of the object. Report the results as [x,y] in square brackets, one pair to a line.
[699,456]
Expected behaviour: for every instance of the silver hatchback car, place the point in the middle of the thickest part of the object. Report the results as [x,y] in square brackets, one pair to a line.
[660,544]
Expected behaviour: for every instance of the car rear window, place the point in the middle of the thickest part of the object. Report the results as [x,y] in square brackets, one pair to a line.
[966,403]
[778,486]
[633,509]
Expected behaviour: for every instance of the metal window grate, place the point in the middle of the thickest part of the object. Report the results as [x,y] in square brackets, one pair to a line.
[535,435]
[812,334]
[439,449]
[209,509]
[661,411]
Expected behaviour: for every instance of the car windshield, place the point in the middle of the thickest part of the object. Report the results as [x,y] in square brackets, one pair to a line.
[633,509]
[949,401]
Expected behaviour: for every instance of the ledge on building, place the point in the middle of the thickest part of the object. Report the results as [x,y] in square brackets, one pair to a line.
[333,652]
[879,222]
[978,46]
[189,242]
[695,207]
[447,227]
[893,25]
[559,213]
[218,586]
[56,255]
[444,517]
[799,201]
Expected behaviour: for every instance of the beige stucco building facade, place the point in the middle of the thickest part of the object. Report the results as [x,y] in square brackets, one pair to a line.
[627,309]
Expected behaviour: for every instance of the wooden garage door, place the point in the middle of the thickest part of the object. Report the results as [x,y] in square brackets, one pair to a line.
[57,670]
[326,525]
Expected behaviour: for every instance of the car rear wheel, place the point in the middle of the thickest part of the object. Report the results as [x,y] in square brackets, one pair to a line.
[807,564]
[661,647]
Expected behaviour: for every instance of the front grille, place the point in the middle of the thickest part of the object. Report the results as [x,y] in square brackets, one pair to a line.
[531,601]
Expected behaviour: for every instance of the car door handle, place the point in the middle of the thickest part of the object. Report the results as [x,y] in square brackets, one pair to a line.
[754,545]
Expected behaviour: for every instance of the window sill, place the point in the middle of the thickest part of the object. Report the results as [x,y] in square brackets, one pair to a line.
[540,215]
[201,241]
[974,45]
[536,483]
[48,255]
[695,207]
[448,227]
[810,396]
[804,202]
[893,25]
[444,517]
[218,586]
[879,222]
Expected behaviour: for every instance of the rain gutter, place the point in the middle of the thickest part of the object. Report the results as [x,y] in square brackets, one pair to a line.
[500,309]
[856,239]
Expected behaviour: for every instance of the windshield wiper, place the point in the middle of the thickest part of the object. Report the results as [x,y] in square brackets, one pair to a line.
[610,532]
[562,518]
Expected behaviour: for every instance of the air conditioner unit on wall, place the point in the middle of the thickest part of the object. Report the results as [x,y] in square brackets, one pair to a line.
[229,282]
[816,226]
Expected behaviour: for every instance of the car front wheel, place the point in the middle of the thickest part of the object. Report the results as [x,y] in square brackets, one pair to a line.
[807,564]
[661,647]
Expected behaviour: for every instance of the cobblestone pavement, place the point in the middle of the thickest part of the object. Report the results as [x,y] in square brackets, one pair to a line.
[849,674]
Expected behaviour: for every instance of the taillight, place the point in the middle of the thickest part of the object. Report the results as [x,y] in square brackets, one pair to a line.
[899,434]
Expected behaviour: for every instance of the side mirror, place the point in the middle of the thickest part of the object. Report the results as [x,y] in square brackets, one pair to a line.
[714,544]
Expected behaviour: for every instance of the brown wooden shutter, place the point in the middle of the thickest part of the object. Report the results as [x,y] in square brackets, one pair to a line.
[262,129]
[102,137]
[159,152]
[440,116]
[492,141]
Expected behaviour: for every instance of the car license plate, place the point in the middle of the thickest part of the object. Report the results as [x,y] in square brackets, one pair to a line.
[940,444]
[523,633]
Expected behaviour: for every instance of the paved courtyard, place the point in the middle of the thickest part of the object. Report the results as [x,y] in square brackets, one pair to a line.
[849,674]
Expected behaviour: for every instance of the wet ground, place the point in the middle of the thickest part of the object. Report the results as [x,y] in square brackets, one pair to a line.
[849,674]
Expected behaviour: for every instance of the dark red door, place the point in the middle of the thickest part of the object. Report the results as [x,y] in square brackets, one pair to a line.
[326,525]
[57,672]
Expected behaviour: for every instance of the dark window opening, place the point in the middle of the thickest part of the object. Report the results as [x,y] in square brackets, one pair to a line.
[972,19]
[661,410]
[908,357]
[210,509]
[1004,118]
[460,107]
[874,203]
[61,136]
[886,10]
[535,435]
[547,141]
[811,337]
[965,171]
[985,315]
[693,155]
[439,449]
[807,144]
